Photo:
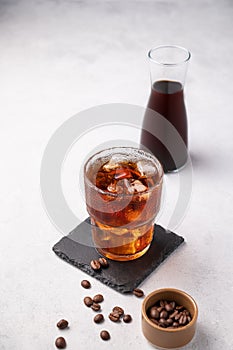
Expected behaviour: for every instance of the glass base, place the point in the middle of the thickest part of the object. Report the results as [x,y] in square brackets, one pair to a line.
[116,257]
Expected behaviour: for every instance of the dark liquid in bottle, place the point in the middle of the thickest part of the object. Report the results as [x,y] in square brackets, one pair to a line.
[168,100]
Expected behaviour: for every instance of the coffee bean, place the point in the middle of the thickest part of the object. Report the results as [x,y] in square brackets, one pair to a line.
[103,262]
[163,314]
[88,301]
[163,321]
[186,312]
[127,318]
[119,310]
[114,316]
[62,324]
[105,335]
[177,317]
[160,308]
[179,307]
[138,292]
[183,319]
[86,284]
[173,304]
[60,343]
[98,298]
[153,312]
[168,314]
[98,318]
[95,307]
[174,314]
[169,307]
[95,265]
[169,321]
[162,303]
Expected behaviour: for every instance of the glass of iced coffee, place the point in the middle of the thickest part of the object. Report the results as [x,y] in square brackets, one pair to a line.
[123,193]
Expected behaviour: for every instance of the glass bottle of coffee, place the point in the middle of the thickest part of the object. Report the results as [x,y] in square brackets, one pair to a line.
[165,131]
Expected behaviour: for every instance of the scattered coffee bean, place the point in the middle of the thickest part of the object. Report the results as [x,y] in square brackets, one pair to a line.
[114,316]
[127,318]
[138,292]
[62,324]
[95,307]
[95,265]
[86,284]
[103,262]
[168,314]
[60,343]
[98,298]
[98,318]
[105,335]
[88,301]
[119,310]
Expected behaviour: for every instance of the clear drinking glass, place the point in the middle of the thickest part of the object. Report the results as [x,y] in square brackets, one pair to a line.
[168,67]
[123,191]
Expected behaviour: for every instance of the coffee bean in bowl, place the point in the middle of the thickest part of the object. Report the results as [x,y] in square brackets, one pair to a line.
[169,318]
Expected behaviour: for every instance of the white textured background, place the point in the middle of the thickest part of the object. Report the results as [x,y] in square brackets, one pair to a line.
[60,57]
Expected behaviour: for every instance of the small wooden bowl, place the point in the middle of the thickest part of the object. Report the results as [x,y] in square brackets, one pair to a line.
[167,338]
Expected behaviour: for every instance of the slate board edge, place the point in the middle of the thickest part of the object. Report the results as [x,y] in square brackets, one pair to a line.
[90,272]
[99,277]
[162,260]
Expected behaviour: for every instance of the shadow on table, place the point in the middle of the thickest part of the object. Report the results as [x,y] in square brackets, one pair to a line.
[204,340]
[201,161]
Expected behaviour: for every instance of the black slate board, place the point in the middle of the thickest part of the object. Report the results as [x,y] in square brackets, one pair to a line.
[122,276]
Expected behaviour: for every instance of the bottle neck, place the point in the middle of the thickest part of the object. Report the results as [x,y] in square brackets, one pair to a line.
[176,74]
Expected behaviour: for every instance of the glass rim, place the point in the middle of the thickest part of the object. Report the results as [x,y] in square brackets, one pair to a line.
[181,48]
[104,192]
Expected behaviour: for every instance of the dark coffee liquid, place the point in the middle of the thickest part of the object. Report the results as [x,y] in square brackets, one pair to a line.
[167,99]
